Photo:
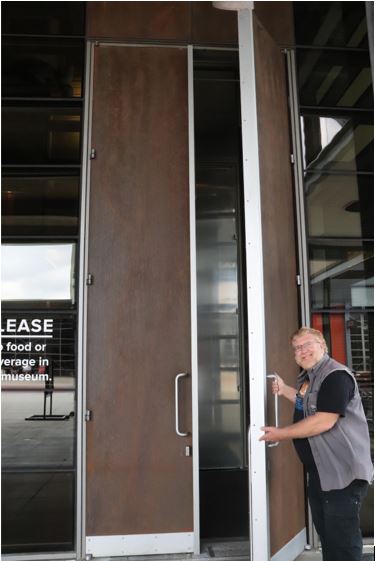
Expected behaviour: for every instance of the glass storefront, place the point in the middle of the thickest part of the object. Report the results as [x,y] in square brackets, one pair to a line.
[336,112]
[42,101]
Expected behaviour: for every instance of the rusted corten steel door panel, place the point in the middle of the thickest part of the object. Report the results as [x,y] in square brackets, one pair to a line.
[139,480]
[286,489]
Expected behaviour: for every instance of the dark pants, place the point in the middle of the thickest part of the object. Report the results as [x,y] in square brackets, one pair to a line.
[336,518]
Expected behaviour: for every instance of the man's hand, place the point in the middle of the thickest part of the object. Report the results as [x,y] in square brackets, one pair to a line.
[279,387]
[310,426]
[272,434]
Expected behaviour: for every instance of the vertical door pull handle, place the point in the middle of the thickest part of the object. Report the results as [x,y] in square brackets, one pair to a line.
[177,428]
[276,412]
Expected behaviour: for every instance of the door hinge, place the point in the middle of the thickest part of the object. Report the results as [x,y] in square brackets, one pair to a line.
[93,154]
[89,279]
[88,415]
[188,451]
[298,280]
[292,159]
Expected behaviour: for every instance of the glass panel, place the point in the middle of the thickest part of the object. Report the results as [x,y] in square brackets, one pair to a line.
[218,150]
[37,512]
[343,142]
[41,135]
[40,205]
[334,78]
[218,321]
[42,68]
[341,274]
[38,432]
[33,275]
[338,24]
[337,146]
[217,111]
[208,63]
[43,18]
[339,205]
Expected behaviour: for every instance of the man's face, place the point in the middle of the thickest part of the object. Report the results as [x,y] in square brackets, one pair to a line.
[308,350]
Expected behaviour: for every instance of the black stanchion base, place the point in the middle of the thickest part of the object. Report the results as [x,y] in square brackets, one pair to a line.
[48,418]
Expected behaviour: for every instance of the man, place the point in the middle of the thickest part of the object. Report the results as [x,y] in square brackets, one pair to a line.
[330,434]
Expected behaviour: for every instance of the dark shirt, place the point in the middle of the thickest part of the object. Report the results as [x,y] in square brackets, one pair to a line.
[335,393]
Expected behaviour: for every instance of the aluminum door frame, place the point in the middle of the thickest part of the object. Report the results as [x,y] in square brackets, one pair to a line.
[258,489]
[82,317]
[258,480]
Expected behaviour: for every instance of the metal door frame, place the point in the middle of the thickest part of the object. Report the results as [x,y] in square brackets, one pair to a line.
[259,503]
[257,476]
[82,318]
[194,336]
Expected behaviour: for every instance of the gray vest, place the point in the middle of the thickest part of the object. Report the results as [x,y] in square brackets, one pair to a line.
[342,453]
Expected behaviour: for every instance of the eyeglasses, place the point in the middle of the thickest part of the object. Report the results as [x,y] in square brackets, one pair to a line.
[300,348]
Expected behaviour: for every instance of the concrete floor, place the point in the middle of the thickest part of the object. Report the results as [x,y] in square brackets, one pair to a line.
[316,556]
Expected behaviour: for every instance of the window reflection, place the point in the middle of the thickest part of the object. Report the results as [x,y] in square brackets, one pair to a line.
[38,273]
[38,428]
[339,205]
[337,143]
[336,103]
[40,205]
[42,68]
[341,274]
[218,321]
[339,24]
[43,18]
[334,78]
[38,136]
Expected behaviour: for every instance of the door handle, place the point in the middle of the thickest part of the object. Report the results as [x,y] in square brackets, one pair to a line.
[276,412]
[177,428]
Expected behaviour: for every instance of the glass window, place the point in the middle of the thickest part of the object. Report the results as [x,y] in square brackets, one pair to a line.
[41,135]
[336,111]
[38,273]
[42,68]
[334,78]
[341,274]
[339,205]
[334,24]
[40,205]
[43,18]
[337,142]
[38,433]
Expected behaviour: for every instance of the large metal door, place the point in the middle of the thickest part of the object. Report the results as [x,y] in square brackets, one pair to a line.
[139,495]
[276,489]
[285,472]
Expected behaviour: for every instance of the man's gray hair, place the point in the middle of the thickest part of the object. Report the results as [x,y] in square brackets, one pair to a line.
[310,331]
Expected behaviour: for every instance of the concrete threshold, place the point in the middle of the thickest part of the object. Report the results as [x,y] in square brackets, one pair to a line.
[233,550]
[227,551]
